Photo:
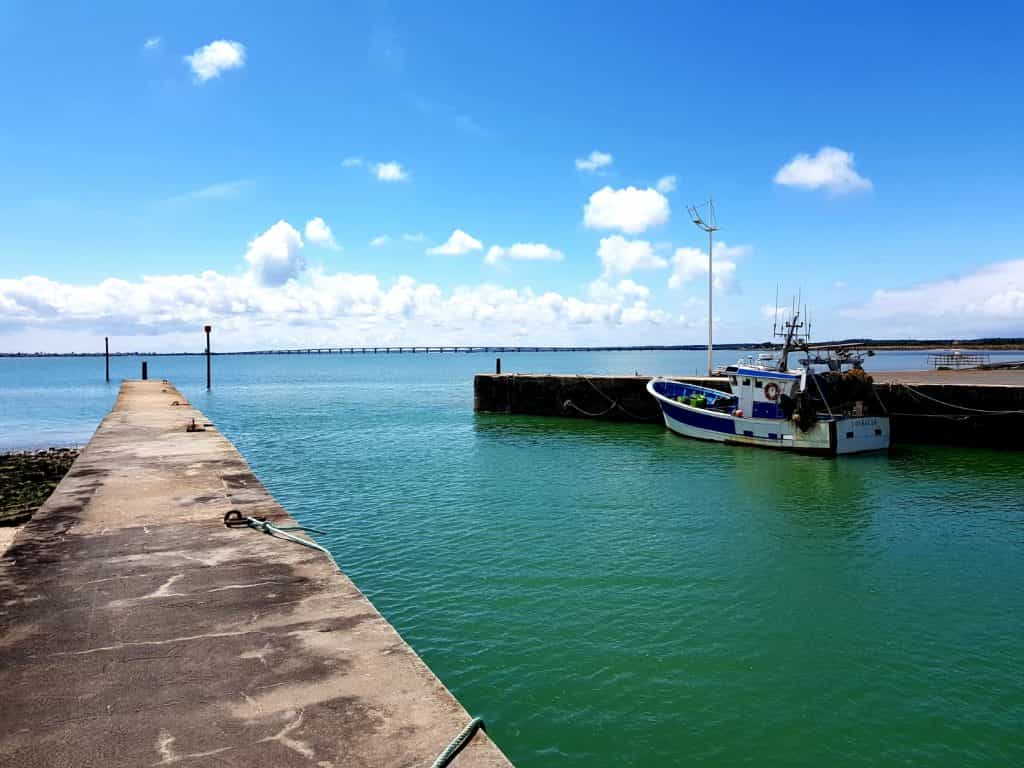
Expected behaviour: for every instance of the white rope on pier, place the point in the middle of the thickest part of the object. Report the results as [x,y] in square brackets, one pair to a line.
[955,406]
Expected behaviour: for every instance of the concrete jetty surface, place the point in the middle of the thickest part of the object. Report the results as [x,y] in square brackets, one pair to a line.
[137,630]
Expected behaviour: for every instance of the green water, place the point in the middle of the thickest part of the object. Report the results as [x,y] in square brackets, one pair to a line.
[616,595]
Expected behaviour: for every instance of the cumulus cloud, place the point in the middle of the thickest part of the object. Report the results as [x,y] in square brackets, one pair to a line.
[831,169]
[628,210]
[772,311]
[666,184]
[318,309]
[318,233]
[152,43]
[594,161]
[275,257]
[216,57]
[624,291]
[689,264]
[988,301]
[620,256]
[458,244]
[523,252]
[379,241]
[390,172]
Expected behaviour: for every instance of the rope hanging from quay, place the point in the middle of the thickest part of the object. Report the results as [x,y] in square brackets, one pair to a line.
[613,403]
[460,741]
[918,393]
[234,519]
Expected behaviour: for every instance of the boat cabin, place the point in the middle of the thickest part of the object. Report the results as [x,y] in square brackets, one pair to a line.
[759,390]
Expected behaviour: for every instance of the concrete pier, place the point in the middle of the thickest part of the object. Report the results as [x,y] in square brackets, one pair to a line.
[984,408]
[136,629]
[611,398]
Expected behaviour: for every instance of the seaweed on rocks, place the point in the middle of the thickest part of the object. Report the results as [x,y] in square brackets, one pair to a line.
[28,478]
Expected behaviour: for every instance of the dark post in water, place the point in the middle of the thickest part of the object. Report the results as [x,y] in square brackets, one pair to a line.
[145,370]
[106,347]
[207,328]
[497,365]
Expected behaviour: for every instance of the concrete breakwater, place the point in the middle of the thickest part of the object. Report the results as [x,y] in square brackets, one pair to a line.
[137,629]
[984,408]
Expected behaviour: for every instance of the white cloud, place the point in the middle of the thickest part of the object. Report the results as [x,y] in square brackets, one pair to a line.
[458,244]
[666,184]
[988,301]
[839,285]
[689,264]
[771,311]
[216,57]
[414,237]
[620,256]
[629,210]
[625,290]
[352,162]
[276,255]
[220,191]
[594,161]
[523,252]
[152,43]
[317,309]
[380,240]
[831,169]
[390,172]
[318,233]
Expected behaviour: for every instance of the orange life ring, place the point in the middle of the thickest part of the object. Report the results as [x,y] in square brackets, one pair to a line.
[771,391]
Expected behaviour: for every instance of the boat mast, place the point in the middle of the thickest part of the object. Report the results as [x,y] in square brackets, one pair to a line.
[709,225]
[791,327]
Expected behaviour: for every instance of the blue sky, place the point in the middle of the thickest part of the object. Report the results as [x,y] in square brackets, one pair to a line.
[121,162]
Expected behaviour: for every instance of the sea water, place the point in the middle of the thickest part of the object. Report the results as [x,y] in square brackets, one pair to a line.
[613,594]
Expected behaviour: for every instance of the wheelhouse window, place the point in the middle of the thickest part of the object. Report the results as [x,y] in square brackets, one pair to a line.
[746,382]
[757,383]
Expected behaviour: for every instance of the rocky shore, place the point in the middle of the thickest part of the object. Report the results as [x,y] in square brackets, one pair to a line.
[28,478]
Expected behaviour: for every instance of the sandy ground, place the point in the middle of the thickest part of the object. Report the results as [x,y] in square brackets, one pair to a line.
[7,534]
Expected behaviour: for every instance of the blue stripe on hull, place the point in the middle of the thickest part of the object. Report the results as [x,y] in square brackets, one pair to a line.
[700,419]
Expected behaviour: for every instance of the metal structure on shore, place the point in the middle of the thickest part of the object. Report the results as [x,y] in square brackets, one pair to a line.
[709,224]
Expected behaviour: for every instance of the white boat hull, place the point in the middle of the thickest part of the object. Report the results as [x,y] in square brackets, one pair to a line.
[833,437]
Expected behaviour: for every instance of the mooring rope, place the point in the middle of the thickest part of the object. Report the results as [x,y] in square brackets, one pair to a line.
[605,412]
[823,398]
[954,405]
[614,403]
[458,743]
[234,519]
[874,391]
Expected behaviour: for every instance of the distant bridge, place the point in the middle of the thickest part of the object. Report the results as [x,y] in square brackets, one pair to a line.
[404,350]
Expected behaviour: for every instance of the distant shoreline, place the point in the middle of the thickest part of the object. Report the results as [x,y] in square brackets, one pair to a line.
[894,345]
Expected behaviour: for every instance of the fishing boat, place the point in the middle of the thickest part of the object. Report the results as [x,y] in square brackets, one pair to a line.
[829,412]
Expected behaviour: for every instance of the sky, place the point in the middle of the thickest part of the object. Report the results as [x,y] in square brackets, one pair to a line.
[327,174]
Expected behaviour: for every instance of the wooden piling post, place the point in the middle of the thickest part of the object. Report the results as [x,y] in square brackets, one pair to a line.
[145,370]
[106,354]
[207,328]
[497,365]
